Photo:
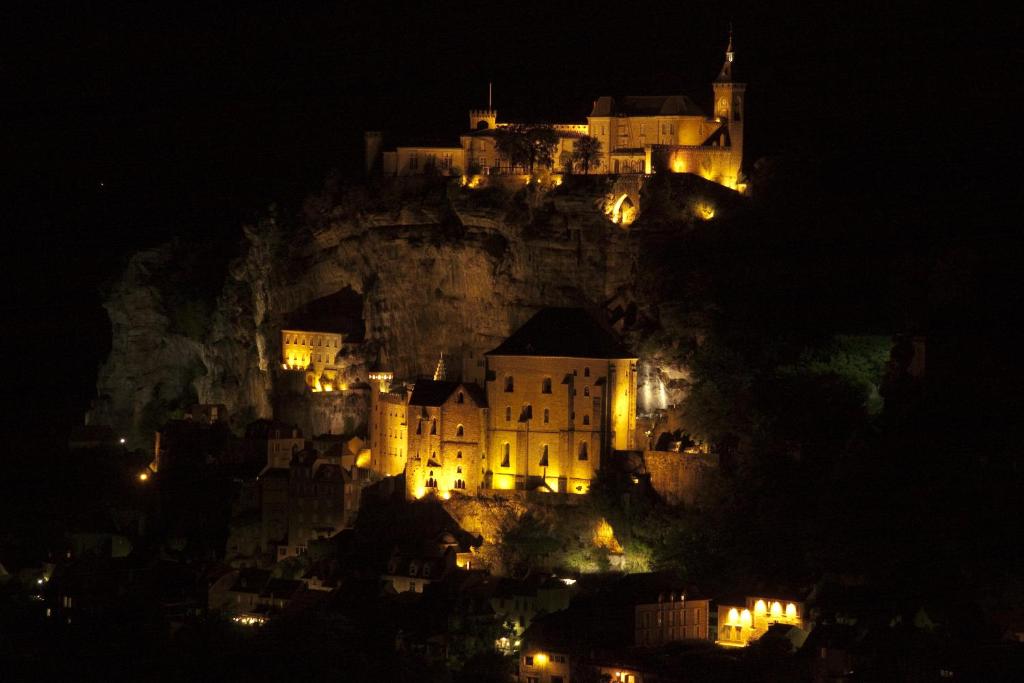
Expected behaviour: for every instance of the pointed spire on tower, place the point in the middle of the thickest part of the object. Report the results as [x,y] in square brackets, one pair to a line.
[441,371]
[725,75]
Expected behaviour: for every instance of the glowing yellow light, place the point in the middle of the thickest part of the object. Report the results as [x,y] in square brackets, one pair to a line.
[734,617]
[704,210]
[776,610]
[504,482]
[791,611]
[540,659]
[760,608]
[419,492]
[363,459]
[143,476]
[446,495]
[678,165]
[745,619]
[604,537]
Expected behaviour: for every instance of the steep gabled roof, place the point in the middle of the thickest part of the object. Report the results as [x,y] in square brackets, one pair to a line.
[646,105]
[563,333]
[429,392]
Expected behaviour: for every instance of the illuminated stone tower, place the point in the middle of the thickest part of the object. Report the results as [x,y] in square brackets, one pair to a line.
[729,100]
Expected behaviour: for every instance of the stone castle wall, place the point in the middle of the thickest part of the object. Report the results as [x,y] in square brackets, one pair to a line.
[679,478]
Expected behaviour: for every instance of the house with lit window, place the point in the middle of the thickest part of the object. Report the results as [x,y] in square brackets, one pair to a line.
[445,427]
[637,134]
[740,623]
[315,353]
[561,396]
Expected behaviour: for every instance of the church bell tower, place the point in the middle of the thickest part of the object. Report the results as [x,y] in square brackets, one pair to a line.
[729,95]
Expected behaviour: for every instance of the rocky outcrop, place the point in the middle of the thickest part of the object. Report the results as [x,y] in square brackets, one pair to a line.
[441,269]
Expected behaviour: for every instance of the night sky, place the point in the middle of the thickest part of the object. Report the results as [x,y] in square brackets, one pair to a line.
[133,123]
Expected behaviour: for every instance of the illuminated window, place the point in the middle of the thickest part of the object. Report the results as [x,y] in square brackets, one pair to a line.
[506,455]
[546,386]
[776,610]
[583,451]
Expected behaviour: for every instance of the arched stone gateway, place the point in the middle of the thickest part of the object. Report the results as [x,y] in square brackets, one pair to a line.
[622,203]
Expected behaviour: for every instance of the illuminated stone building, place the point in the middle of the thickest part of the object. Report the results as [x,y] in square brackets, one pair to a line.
[446,422]
[638,134]
[559,397]
[561,393]
[739,625]
[316,354]
[388,430]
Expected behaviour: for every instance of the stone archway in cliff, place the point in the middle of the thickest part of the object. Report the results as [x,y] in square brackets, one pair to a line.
[622,204]
[623,210]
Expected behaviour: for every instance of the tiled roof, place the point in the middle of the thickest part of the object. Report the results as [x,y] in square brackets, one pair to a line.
[646,105]
[563,333]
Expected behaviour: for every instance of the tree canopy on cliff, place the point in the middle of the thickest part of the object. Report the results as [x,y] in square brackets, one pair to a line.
[527,146]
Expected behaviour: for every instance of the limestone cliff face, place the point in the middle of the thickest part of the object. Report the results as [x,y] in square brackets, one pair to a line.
[444,269]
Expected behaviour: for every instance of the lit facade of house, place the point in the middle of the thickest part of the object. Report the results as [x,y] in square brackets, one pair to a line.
[739,625]
[561,393]
[446,423]
[316,354]
[672,618]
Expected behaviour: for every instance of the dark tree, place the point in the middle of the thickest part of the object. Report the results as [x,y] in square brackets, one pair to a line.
[587,152]
[527,146]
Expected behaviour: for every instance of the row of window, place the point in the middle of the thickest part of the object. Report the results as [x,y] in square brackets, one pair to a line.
[545,385]
[440,161]
[310,341]
[459,430]
[527,414]
[506,454]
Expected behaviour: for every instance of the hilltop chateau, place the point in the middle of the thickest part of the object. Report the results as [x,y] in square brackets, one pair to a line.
[559,396]
[637,134]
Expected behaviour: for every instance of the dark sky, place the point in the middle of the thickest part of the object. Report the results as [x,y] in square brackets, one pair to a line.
[135,122]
